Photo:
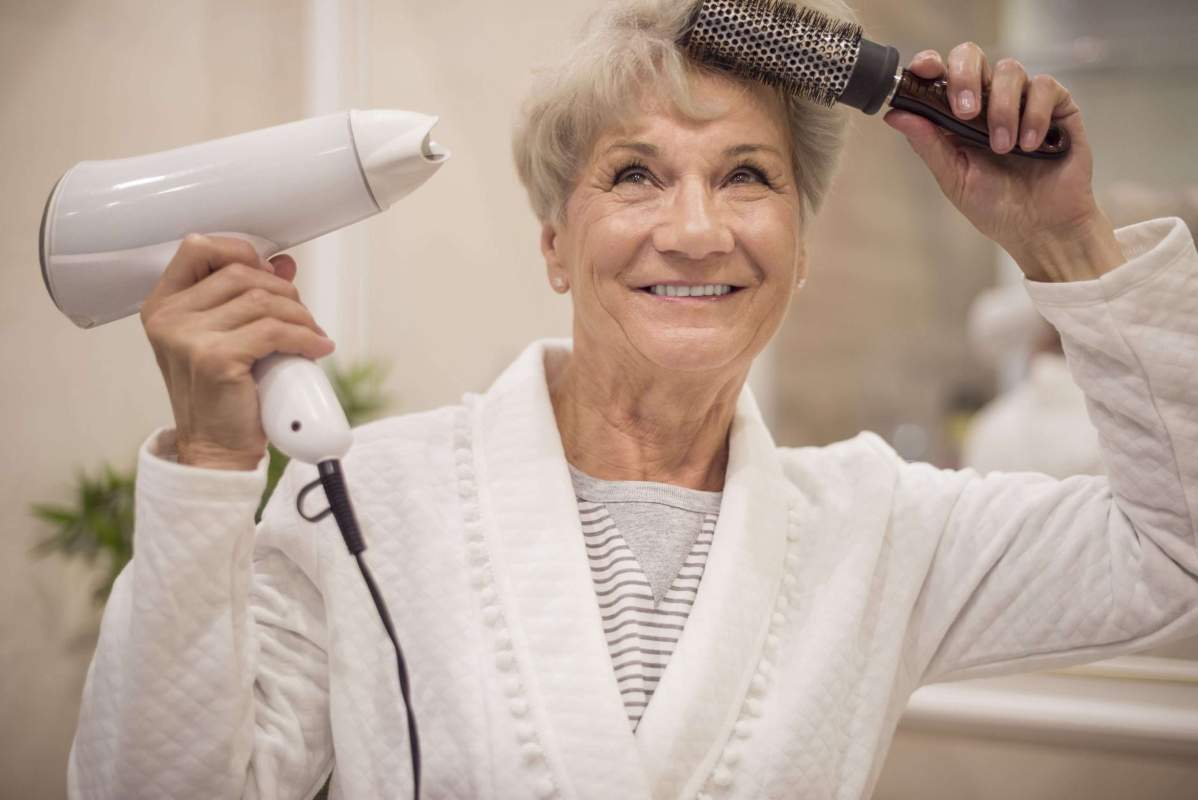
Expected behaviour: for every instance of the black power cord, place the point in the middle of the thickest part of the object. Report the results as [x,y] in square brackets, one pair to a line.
[333,481]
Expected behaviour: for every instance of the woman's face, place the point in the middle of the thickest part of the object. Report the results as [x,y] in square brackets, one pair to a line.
[670,207]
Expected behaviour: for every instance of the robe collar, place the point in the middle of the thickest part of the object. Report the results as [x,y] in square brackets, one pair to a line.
[544,584]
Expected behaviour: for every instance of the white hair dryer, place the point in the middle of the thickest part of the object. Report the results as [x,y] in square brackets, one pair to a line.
[111,227]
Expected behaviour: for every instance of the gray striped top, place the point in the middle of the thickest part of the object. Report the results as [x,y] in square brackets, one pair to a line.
[647,545]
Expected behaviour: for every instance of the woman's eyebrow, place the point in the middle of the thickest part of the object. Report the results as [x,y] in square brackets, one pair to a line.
[644,148]
[649,150]
[746,149]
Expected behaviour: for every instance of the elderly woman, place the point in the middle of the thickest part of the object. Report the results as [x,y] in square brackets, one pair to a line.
[608,579]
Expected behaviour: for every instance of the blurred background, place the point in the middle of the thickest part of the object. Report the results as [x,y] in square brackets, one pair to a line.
[890,334]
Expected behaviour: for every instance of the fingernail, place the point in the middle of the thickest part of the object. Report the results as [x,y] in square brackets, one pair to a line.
[269,267]
[1002,140]
[1030,137]
[965,100]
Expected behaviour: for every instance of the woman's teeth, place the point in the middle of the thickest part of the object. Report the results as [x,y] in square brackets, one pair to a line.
[709,289]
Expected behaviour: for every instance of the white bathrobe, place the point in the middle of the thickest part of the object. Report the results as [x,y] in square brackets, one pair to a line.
[239,662]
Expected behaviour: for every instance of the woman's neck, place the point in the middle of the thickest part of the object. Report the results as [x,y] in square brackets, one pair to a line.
[624,422]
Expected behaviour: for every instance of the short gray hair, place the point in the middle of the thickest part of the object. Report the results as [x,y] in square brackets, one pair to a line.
[627,45]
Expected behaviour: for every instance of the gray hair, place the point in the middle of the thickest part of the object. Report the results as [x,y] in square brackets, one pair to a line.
[627,45]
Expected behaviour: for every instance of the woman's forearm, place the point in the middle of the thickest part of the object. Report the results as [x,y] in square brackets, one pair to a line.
[169,708]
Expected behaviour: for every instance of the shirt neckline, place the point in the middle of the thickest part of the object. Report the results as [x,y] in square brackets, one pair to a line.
[598,490]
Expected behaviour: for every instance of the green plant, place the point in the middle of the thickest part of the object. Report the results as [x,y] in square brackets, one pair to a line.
[98,522]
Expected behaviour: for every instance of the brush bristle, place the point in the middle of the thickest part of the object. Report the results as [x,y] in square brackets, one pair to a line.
[798,49]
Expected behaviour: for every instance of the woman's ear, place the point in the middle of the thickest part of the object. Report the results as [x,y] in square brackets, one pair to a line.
[559,278]
[801,268]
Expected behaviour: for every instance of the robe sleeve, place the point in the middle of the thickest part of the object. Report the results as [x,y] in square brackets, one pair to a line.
[210,678]
[1029,572]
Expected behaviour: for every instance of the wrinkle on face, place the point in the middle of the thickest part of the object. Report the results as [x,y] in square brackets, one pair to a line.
[607,242]
[650,389]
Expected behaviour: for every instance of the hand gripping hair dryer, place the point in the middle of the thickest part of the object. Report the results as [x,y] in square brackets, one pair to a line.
[111,227]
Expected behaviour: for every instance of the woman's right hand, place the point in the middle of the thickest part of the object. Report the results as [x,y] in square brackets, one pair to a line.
[216,310]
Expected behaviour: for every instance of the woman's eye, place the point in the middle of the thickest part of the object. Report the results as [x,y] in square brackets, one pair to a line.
[748,175]
[635,174]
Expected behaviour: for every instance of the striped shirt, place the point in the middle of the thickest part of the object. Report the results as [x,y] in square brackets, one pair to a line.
[643,615]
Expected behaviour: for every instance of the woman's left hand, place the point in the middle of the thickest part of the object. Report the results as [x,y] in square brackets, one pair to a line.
[1040,211]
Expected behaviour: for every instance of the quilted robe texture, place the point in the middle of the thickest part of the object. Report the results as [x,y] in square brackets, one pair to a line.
[236,662]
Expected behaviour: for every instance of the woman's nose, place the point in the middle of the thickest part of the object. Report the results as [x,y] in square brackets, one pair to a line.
[692,225]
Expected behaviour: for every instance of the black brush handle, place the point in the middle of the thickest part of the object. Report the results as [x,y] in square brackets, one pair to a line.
[929,99]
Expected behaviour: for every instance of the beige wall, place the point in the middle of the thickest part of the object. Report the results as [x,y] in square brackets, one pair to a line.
[456,277]
[874,342]
[90,80]
[452,283]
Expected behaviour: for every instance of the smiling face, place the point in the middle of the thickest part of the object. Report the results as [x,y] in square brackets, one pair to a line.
[681,240]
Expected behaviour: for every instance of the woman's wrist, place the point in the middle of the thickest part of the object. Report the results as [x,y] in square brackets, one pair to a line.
[1084,252]
[198,453]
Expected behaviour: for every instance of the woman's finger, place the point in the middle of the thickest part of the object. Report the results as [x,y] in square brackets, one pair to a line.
[224,357]
[1006,95]
[199,256]
[927,64]
[285,267]
[1044,93]
[256,304]
[267,335]
[227,283]
[968,72]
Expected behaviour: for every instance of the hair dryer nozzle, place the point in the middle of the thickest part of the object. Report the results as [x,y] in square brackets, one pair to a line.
[396,151]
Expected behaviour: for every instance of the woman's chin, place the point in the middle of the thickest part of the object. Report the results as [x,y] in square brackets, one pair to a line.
[695,351]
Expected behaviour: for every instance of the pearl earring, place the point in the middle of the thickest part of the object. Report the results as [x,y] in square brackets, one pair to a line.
[802,282]
[559,284]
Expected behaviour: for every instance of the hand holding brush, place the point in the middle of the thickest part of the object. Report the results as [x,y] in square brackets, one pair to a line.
[962,118]
[828,61]
[1042,212]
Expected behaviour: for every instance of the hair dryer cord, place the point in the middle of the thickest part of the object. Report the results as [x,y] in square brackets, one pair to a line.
[333,481]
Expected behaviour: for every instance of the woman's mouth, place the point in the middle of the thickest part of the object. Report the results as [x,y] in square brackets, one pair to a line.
[695,290]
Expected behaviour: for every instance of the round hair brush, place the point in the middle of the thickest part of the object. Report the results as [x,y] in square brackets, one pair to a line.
[828,61]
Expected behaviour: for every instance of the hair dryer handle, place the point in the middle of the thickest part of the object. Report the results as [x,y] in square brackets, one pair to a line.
[300,411]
